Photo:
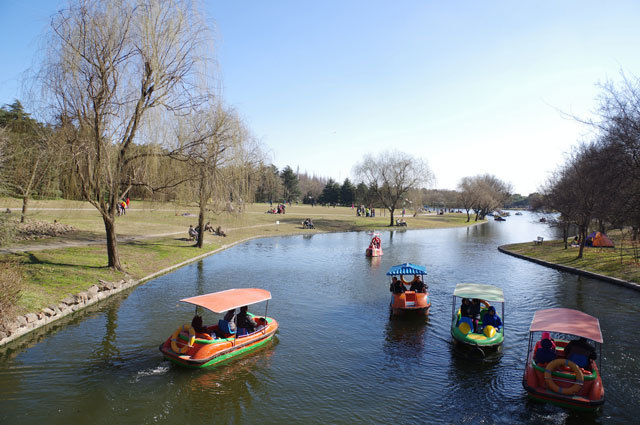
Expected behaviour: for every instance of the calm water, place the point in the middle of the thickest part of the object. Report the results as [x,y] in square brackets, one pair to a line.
[338,357]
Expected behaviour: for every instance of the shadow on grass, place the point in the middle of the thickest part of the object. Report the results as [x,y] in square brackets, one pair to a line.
[33,259]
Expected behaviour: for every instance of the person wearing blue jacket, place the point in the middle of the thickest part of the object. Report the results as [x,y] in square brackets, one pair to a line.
[491,318]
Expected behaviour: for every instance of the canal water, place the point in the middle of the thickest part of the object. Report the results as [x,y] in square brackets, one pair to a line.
[338,357]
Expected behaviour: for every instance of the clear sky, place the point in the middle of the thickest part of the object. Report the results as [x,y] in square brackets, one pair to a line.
[472,87]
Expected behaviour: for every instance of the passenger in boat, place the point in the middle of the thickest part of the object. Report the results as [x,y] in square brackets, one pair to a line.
[418,285]
[545,353]
[245,323]
[465,308]
[475,313]
[491,318]
[580,352]
[396,286]
[196,323]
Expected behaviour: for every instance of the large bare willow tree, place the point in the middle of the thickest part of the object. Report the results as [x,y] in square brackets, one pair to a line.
[219,162]
[109,64]
[391,175]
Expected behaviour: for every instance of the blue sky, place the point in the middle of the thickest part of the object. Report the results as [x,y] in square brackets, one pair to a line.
[472,87]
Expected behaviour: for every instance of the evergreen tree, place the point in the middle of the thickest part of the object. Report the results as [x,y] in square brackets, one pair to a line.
[347,193]
[290,183]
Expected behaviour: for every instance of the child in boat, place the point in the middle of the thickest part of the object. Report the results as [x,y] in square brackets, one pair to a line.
[491,318]
[545,353]
[465,308]
[245,323]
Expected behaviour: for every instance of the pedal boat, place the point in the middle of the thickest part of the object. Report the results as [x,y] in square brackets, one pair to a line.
[562,382]
[197,350]
[375,246]
[409,301]
[487,338]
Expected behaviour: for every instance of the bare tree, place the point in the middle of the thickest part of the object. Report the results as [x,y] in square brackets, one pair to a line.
[218,160]
[391,175]
[467,195]
[109,64]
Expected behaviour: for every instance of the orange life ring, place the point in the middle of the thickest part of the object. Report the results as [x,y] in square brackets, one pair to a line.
[185,347]
[553,365]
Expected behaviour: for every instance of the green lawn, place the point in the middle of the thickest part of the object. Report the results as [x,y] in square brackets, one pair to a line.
[614,262]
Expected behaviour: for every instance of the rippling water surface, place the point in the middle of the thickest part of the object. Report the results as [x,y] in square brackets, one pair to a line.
[338,357]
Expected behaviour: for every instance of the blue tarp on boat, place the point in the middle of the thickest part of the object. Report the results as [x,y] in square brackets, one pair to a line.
[405,269]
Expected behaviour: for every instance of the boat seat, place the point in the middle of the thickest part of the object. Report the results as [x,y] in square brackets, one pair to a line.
[224,326]
[466,320]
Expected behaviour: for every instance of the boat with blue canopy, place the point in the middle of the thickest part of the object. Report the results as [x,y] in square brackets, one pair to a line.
[408,296]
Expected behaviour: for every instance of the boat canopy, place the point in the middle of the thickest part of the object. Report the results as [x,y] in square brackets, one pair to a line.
[481,291]
[220,302]
[566,321]
[406,269]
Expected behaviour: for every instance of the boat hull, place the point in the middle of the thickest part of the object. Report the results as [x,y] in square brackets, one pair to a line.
[373,252]
[206,352]
[410,302]
[590,397]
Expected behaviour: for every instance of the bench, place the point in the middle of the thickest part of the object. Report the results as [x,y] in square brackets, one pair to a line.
[538,241]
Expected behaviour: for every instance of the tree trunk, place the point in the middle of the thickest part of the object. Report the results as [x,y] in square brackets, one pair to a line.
[391,223]
[565,234]
[112,242]
[635,233]
[583,237]
[25,201]
[200,241]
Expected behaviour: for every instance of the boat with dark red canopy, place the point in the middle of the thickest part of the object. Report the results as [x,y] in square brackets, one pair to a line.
[564,378]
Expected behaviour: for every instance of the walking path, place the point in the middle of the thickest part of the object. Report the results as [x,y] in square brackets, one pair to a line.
[42,246]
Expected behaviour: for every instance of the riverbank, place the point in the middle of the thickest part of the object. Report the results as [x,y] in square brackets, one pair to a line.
[611,265]
[67,273]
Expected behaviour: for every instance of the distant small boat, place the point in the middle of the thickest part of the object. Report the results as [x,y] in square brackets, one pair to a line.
[375,246]
[518,213]
[498,218]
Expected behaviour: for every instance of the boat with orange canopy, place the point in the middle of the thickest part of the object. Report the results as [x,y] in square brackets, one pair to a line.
[404,299]
[375,246]
[561,381]
[209,345]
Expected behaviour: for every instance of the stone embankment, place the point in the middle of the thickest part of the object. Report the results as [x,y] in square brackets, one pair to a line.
[24,324]
[631,285]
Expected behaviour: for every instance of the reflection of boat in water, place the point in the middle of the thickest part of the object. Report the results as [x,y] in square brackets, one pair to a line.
[375,246]
[561,381]
[220,342]
[409,296]
[477,336]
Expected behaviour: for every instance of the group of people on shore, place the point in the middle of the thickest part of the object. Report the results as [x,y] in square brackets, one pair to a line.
[473,310]
[239,324]
[194,232]
[363,211]
[121,206]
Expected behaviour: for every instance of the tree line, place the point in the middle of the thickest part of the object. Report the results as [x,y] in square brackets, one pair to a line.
[598,185]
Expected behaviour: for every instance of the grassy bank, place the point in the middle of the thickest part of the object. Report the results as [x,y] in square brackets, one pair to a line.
[52,274]
[616,262]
